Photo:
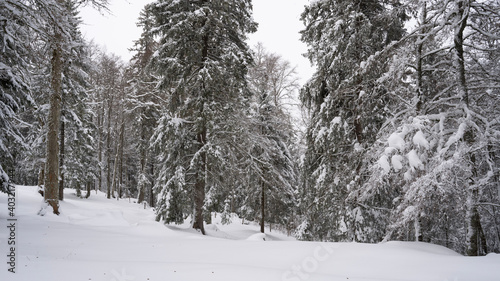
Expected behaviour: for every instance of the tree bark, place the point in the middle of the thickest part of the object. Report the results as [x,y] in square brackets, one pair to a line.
[88,189]
[201,137]
[100,117]
[61,161]
[41,175]
[262,206]
[475,240]
[151,190]
[120,165]
[199,187]
[459,61]
[420,92]
[116,167]
[108,148]
[142,186]
[51,194]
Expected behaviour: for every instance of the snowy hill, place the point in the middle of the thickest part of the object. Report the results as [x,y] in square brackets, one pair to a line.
[98,239]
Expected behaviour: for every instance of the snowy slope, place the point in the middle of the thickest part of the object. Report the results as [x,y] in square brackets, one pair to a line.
[99,239]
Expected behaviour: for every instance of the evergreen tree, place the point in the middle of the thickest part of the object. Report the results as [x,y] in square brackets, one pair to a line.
[145,102]
[347,110]
[201,60]
[77,159]
[14,82]
[437,153]
[61,32]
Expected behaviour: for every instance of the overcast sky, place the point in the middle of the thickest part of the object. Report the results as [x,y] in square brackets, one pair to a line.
[279,26]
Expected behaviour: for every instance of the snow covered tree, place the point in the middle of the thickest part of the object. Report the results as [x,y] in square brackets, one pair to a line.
[61,32]
[76,157]
[347,110]
[14,81]
[145,103]
[437,156]
[202,62]
[271,170]
[106,92]
[80,157]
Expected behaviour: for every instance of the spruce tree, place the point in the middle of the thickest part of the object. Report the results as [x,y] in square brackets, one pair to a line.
[14,82]
[347,110]
[202,62]
[145,102]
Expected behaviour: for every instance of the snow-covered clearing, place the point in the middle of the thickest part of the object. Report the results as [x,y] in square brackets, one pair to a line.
[99,239]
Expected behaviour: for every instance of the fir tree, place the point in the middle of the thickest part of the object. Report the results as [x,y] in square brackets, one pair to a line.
[145,102]
[202,59]
[14,82]
[347,110]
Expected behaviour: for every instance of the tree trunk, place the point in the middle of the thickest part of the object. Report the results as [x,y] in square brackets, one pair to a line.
[201,137]
[116,169]
[476,241]
[420,92]
[474,229]
[114,176]
[142,186]
[88,189]
[151,191]
[108,148]
[418,229]
[100,117]
[262,205]
[459,62]
[51,193]
[61,161]
[120,165]
[199,187]
[41,175]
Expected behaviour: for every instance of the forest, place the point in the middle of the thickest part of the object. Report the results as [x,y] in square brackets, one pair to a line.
[402,117]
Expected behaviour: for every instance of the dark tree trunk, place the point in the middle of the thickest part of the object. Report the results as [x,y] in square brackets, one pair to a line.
[459,51]
[120,165]
[108,148]
[51,193]
[151,191]
[199,187]
[88,189]
[142,186]
[262,206]
[201,138]
[151,198]
[420,91]
[474,244]
[61,161]
[477,243]
[100,118]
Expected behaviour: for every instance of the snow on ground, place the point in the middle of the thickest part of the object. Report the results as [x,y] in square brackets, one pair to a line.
[99,239]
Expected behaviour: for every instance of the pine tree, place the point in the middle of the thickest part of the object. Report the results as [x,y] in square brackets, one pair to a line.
[202,61]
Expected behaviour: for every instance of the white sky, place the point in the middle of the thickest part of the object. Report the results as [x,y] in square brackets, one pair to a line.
[279,26]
